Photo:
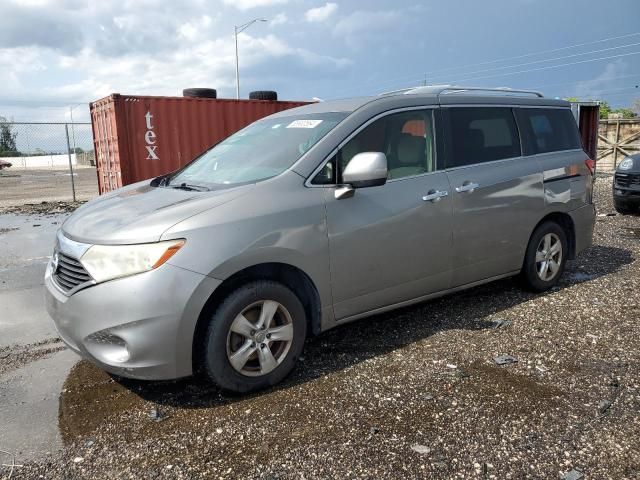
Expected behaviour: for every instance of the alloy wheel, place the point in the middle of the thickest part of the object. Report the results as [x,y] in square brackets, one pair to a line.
[259,338]
[548,257]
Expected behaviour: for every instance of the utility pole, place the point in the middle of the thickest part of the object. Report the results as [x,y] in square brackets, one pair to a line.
[236,30]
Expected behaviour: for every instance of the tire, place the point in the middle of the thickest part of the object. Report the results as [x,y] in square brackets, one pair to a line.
[534,274]
[200,93]
[221,343]
[263,95]
[623,208]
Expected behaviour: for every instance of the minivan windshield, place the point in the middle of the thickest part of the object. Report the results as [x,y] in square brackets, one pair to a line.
[262,150]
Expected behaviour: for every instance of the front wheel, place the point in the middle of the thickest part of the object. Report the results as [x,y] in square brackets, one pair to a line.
[545,258]
[255,337]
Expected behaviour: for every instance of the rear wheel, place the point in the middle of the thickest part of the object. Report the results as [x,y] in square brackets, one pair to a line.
[545,258]
[255,337]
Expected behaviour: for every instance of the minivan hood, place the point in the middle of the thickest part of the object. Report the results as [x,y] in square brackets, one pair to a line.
[140,213]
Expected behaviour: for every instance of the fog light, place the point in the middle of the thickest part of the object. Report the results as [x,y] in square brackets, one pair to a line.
[618,192]
[108,348]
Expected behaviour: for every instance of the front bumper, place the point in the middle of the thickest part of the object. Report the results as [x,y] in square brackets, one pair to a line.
[626,195]
[139,326]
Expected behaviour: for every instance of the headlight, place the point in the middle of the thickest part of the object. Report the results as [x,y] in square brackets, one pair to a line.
[106,262]
[626,164]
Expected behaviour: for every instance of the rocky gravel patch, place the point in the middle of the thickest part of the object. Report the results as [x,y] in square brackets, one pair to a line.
[41,208]
[414,393]
[17,356]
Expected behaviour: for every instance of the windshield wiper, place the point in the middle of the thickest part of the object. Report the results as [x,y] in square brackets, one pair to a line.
[186,186]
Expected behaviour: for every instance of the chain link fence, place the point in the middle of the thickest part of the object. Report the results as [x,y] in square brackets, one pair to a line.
[46,162]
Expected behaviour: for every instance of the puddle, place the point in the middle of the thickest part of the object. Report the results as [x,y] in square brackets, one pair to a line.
[29,403]
[581,276]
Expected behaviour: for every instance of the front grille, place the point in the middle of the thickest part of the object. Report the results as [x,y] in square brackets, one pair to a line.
[70,273]
[628,180]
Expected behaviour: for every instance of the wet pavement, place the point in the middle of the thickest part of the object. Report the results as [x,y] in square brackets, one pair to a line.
[415,393]
[27,243]
[33,362]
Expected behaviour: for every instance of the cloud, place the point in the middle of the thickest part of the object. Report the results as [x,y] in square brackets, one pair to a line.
[360,26]
[209,63]
[194,29]
[249,4]
[321,14]
[82,51]
[601,83]
[278,19]
[27,26]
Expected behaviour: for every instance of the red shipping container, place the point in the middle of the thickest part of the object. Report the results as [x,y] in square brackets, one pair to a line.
[140,137]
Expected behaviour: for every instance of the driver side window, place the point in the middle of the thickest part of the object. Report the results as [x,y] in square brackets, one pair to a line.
[406,138]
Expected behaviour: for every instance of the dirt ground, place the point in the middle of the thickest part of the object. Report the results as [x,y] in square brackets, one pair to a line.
[415,393]
[33,186]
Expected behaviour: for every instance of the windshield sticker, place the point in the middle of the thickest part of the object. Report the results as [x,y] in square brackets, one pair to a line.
[304,124]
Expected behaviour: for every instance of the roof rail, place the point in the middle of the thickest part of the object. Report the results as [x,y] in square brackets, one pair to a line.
[449,89]
[393,92]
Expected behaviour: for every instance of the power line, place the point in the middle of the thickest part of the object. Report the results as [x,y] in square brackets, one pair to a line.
[422,74]
[615,90]
[589,80]
[549,67]
[552,59]
[540,52]
[537,87]
[439,79]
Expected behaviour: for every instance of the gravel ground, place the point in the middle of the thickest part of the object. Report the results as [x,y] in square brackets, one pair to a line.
[414,393]
[16,356]
[22,186]
[41,209]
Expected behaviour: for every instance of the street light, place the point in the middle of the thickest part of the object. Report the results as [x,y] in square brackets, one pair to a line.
[237,30]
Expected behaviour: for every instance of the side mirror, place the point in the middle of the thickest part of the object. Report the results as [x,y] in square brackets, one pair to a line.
[366,169]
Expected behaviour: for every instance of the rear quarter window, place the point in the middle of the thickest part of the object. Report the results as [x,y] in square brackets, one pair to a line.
[547,130]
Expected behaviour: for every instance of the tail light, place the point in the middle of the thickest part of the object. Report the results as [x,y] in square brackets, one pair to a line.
[591,165]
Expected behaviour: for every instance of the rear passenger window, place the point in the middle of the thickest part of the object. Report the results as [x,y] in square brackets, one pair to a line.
[483,134]
[548,130]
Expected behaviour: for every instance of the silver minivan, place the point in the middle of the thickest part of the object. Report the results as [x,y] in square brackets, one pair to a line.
[314,217]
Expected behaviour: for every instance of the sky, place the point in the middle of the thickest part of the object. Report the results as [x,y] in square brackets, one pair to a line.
[62,54]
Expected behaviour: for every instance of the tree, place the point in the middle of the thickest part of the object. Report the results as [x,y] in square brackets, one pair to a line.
[7,139]
[626,112]
[605,110]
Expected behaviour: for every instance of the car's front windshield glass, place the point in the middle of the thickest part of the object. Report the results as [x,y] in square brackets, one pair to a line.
[262,150]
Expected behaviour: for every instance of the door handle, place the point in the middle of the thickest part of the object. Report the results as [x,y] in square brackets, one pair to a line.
[435,195]
[467,187]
